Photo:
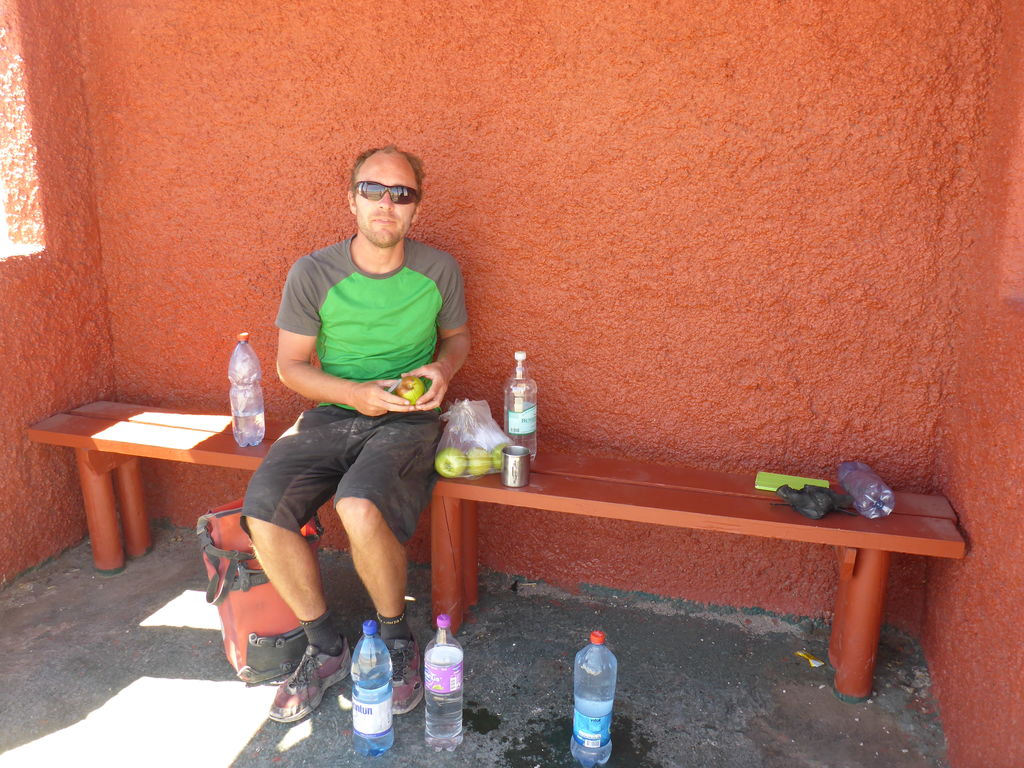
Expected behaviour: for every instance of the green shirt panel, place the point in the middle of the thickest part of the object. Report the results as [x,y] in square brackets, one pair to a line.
[378,328]
[370,326]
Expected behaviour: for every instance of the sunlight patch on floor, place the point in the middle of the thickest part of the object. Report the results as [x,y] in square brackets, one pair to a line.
[157,722]
[189,609]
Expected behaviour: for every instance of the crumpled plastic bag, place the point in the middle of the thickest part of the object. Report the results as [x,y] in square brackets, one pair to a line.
[815,502]
[471,443]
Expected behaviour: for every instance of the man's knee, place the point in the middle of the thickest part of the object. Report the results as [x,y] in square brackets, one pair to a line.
[360,517]
[264,534]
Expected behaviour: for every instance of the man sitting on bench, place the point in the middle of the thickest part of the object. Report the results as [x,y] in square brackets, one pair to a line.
[372,308]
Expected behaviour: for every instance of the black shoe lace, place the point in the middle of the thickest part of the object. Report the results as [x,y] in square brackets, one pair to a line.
[400,658]
[304,672]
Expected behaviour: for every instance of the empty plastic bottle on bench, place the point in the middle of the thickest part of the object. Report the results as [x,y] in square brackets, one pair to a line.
[247,420]
[372,732]
[871,496]
[593,681]
[442,684]
[521,407]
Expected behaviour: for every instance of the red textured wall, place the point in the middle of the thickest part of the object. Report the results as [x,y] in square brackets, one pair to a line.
[973,632]
[53,313]
[711,228]
[733,235]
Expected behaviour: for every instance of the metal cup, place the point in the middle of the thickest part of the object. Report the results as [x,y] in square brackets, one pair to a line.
[515,466]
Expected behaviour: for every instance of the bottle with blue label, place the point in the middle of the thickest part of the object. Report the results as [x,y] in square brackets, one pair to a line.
[593,680]
[521,407]
[372,733]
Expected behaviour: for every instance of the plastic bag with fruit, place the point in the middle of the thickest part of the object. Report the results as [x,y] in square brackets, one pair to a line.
[472,441]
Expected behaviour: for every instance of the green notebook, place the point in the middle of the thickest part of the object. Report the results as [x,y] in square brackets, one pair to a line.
[770,481]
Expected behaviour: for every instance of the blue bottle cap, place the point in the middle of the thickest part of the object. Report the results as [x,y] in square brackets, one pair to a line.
[369,627]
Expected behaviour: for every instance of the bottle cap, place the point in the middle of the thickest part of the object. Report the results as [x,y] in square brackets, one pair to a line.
[597,637]
[243,336]
[520,356]
[444,621]
[369,627]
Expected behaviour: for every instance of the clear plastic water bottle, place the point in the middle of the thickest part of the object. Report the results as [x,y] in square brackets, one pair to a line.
[372,733]
[521,407]
[442,681]
[593,681]
[247,418]
[871,496]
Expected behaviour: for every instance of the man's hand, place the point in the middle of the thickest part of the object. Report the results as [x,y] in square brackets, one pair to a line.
[372,399]
[439,376]
[451,354]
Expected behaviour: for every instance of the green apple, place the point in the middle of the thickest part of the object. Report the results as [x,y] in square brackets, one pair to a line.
[450,462]
[479,461]
[496,456]
[411,388]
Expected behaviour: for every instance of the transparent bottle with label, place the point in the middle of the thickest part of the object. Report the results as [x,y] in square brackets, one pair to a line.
[372,732]
[594,674]
[442,683]
[521,407]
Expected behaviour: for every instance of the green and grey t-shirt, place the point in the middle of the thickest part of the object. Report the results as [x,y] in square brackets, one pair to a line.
[370,327]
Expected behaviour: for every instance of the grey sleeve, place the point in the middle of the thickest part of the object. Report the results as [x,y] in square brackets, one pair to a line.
[300,301]
[453,297]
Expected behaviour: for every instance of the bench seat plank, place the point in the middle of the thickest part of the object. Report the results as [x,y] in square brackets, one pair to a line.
[683,508]
[152,441]
[703,480]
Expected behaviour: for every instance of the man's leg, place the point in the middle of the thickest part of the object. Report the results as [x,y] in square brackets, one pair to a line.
[378,556]
[291,566]
[381,564]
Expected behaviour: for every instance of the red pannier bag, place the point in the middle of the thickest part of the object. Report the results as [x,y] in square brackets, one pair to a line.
[263,639]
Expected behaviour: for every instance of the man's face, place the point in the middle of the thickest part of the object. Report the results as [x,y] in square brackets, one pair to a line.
[382,222]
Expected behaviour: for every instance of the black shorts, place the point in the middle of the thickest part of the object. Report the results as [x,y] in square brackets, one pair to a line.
[333,451]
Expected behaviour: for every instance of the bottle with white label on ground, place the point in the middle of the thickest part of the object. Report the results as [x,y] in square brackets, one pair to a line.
[442,684]
[372,733]
[247,419]
[521,407]
[593,695]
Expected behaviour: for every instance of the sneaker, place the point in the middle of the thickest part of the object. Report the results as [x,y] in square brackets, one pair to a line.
[301,693]
[406,679]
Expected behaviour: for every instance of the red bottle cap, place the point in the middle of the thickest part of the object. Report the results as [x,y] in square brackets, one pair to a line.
[243,336]
[597,637]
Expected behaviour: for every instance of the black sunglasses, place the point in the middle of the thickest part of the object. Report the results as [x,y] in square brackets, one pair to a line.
[399,193]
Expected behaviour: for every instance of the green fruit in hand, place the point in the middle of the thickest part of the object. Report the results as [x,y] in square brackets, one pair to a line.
[411,388]
[450,462]
[496,455]
[479,461]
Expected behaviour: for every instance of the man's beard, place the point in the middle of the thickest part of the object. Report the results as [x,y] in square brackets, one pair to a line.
[384,240]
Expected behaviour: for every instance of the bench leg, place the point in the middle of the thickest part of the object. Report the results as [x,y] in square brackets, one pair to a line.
[847,558]
[100,515]
[134,520]
[857,624]
[470,527]
[446,558]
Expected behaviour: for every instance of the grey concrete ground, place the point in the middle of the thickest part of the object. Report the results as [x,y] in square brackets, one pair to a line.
[130,671]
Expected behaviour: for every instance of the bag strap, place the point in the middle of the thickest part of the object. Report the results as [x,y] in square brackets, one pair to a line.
[219,585]
[242,578]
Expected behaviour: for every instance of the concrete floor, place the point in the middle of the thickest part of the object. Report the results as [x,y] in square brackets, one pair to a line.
[130,671]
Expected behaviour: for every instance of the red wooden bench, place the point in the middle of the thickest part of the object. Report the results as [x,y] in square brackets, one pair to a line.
[109,437]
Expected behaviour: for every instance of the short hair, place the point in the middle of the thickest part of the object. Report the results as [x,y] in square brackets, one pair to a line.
[390,149]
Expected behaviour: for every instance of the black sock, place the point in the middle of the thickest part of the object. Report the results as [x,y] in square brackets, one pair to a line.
[394,628]
[321,633]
